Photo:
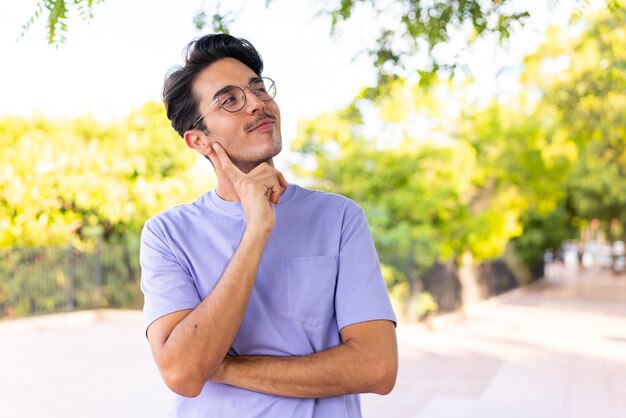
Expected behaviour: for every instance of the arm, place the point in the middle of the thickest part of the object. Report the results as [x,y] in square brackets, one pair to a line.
[189,345]
[365,361]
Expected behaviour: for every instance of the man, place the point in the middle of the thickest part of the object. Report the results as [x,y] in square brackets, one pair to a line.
[263,299]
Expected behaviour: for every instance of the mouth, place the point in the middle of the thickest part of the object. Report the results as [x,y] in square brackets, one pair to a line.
[262,125]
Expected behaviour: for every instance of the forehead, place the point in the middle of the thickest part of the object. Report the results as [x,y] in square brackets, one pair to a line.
[224,72]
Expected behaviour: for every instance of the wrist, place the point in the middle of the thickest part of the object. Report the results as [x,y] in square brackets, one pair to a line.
[257,234]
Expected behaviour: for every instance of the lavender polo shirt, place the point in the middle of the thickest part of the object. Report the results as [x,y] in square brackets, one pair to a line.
[319,273]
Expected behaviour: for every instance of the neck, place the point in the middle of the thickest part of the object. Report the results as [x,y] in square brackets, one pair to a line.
[226,190]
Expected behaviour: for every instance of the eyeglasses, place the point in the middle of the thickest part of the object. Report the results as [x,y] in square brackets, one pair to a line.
[233,98]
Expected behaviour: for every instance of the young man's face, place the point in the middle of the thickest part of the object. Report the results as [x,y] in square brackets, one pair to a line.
[250,136]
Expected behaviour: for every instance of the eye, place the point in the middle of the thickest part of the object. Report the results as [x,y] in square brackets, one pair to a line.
[258,87]
[228,99]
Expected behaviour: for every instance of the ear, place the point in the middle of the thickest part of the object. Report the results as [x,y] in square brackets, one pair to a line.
[198,140]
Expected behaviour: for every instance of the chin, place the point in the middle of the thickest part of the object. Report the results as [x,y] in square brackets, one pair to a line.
[249,162]
[270,151]
[266,158]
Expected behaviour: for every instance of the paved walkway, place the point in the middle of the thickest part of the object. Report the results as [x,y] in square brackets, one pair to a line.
[557,349]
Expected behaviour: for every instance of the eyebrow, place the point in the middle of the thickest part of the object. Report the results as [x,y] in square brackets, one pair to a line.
[230,86]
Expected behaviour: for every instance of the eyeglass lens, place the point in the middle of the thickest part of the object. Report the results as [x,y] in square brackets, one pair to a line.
[234,98]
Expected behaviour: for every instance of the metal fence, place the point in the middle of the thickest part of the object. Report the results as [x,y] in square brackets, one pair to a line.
[52,279]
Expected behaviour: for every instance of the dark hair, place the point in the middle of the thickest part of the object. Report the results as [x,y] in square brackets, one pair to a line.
[181,104]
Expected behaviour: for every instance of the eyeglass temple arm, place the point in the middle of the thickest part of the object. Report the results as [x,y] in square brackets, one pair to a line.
[204,114]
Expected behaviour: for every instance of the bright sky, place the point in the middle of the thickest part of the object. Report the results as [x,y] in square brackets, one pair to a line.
[116,62]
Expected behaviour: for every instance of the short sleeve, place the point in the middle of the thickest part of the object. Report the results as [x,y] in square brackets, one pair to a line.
[361,294]
[165,283]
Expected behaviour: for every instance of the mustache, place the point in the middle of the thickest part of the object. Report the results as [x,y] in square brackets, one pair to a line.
[262,117]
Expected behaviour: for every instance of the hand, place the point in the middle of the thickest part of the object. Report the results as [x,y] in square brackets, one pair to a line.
[258,190]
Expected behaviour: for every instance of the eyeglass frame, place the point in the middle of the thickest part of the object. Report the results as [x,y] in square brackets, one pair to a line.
[245,97]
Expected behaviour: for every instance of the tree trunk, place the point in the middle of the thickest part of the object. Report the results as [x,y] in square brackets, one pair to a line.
[470,288]
[410,306]
[415,288]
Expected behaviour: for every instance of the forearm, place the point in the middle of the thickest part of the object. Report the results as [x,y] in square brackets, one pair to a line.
[198,343]
[348,368]
[190,345]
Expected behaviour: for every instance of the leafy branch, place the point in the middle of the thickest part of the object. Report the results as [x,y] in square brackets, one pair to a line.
[56,14]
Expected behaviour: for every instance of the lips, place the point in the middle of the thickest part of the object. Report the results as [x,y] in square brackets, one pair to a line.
[262,124]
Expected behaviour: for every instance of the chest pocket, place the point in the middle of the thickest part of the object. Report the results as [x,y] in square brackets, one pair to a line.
[311,288]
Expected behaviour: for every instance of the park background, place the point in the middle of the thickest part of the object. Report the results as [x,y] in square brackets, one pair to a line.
[482,138]
[477,137]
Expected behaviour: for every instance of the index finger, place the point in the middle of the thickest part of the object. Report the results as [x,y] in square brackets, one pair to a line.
[281,179]
[229,168]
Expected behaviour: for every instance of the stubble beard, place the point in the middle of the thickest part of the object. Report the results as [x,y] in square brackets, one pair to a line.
[249,163]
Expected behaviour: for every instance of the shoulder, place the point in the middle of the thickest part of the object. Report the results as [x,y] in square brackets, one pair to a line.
[325,208]
[325,199]
[177,215]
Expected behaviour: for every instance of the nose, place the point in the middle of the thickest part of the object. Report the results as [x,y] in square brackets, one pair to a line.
[253,103]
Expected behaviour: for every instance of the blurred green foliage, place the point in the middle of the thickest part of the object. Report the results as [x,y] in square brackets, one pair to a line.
[438,183]
[60,180]
[83,189]
[582,109]
[439,176]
